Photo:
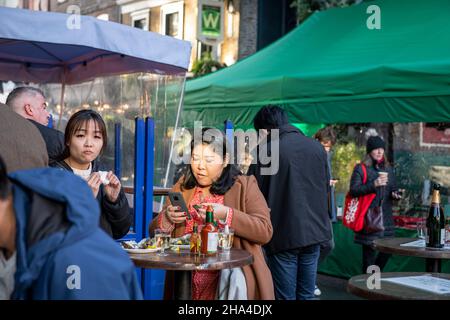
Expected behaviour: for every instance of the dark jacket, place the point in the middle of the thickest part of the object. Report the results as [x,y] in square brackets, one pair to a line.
[357,189]
[297,194]
[332,210]
[54,141]
[115,218]
[59,244]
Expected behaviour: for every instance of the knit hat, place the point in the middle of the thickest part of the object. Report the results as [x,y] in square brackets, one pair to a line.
[375,142]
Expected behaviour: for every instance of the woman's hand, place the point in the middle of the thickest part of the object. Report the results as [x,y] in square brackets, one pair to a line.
[381,182]
[220,211]
[112,189]
[397,195]
[174,215]
[94,183]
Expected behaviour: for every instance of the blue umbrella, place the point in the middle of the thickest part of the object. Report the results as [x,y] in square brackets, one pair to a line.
[47,47]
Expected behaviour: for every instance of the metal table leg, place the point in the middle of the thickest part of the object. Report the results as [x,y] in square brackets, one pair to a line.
[433,265]
[183,287]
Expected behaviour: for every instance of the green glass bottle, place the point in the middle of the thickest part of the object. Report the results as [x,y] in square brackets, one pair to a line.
[435,221]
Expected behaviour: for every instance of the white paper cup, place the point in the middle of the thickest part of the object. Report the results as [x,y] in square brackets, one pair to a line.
[383,174]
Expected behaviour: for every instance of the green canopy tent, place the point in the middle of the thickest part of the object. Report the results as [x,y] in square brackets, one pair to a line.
[334,69]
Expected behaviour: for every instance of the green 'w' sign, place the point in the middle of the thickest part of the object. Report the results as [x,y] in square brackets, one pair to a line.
[211,21]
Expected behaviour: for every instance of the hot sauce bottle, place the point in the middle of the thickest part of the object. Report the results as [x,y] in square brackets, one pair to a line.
[209,234]
[195,240]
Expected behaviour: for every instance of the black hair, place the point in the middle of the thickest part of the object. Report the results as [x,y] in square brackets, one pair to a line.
[76,122]
[229,173]
[5,188]
[270,117]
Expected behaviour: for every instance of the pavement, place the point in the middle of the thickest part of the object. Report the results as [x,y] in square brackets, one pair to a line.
[334,288]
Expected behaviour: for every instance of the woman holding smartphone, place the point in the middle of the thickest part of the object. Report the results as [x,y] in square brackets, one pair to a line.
[211,179]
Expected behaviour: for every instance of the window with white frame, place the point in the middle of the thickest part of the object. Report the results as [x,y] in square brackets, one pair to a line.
[172,17]
[203,48]
[140,19]
[172,24]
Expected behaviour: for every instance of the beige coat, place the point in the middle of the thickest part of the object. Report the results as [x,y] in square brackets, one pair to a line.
[21,144]
[252,229]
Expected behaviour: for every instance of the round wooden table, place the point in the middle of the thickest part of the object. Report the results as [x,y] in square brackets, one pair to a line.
[433,256]
[184,262]
[157,191]
[357,285]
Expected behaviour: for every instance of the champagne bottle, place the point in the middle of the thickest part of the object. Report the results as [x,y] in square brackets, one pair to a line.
[209,234]
[436,221]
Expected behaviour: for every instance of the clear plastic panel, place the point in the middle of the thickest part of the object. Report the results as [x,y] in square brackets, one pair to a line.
[120,99]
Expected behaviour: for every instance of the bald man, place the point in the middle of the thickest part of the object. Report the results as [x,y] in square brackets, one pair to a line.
[30,103]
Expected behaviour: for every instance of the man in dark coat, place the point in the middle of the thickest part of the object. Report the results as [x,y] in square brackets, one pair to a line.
[30,103]
[297,197]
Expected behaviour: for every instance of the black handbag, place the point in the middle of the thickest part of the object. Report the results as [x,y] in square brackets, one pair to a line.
[373,220]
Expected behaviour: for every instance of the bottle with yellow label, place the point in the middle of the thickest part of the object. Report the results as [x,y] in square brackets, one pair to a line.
[435,221]
[195,240]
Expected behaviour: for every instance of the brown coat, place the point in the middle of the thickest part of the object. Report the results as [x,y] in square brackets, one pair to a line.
[21,144]
[252,229]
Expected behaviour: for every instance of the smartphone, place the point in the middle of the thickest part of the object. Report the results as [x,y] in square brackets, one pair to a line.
[176,198]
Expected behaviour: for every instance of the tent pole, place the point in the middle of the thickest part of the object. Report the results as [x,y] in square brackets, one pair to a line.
[173,140]
[61,101]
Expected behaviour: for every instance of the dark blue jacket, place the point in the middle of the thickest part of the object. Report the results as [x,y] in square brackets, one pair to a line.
[54,141]
[297,193]
[61,251]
